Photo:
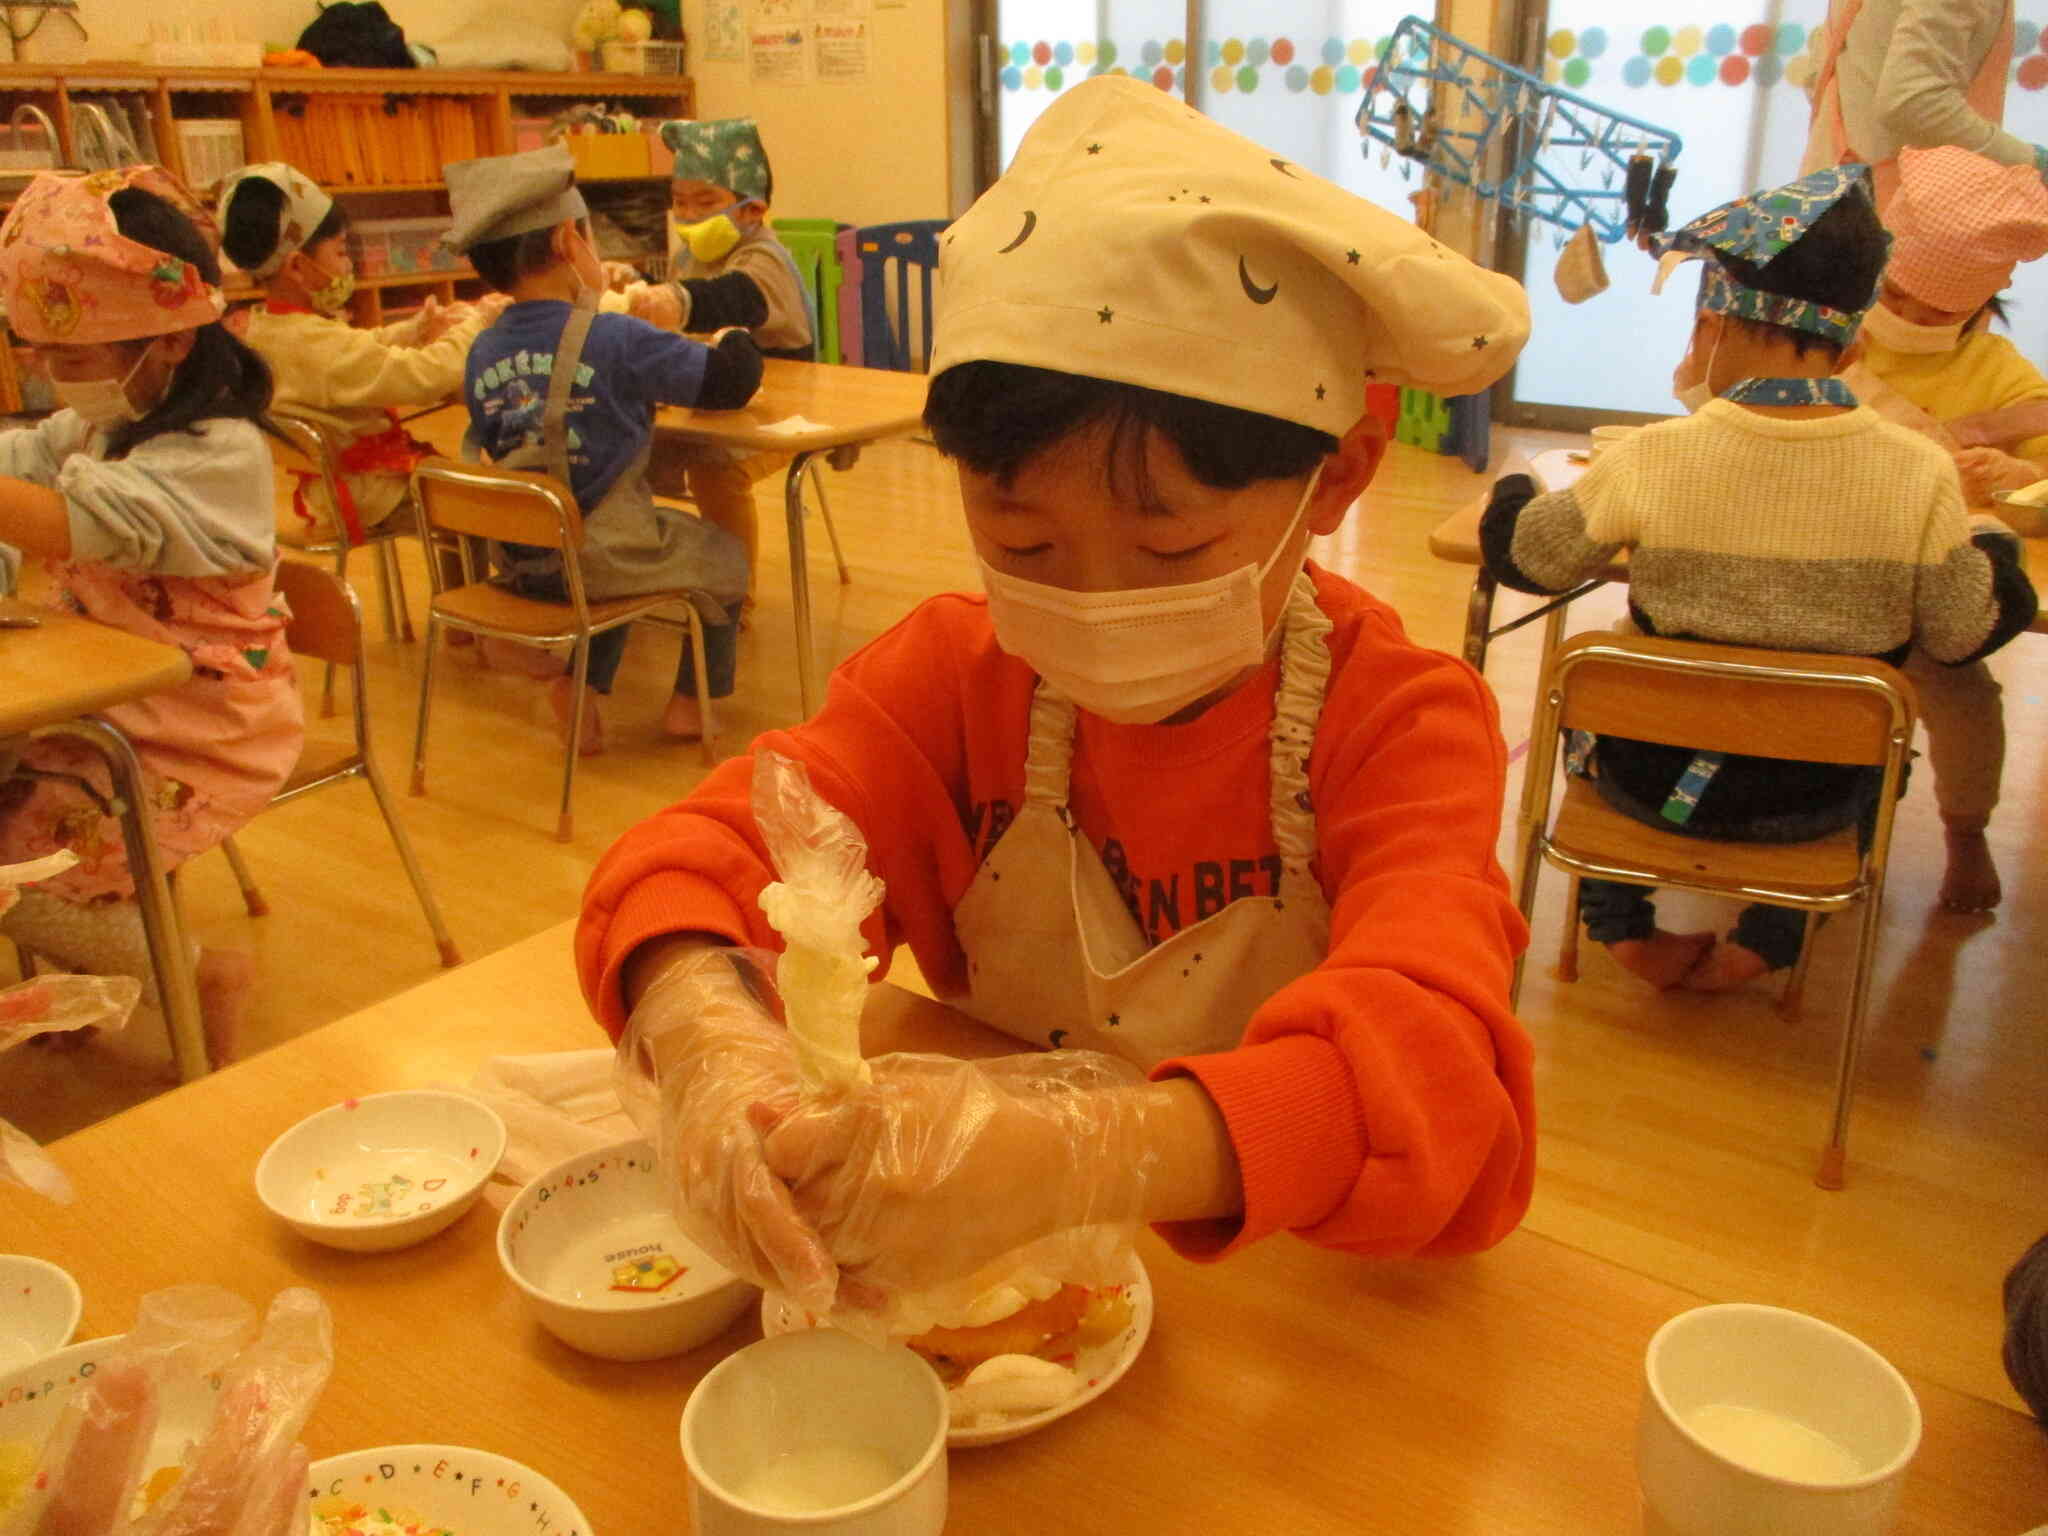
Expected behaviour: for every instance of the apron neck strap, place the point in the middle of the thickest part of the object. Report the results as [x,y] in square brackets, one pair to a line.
[1297,711]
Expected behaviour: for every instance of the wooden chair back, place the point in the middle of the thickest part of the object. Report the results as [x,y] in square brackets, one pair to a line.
[1805,706]
[513,506]
[326,623]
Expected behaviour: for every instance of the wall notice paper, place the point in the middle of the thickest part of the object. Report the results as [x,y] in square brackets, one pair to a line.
[771,12]
[725,30]
[842,51]
[777,56]
[823,8]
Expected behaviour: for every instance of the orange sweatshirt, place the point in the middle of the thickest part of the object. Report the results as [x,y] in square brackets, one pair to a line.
[1380,1104]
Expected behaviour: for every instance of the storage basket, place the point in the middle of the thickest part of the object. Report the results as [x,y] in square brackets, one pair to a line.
[213,148]
[648,58]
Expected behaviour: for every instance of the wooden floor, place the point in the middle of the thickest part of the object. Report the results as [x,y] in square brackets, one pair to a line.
[1679,1133]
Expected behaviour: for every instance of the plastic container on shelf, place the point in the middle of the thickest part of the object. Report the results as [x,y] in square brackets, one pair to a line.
[530,133]
[369,246]
[411,245]
[213,148]
[653,57]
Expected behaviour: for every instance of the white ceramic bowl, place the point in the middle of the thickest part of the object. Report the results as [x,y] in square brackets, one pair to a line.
[32,1397]
[473,1492]
[382,1171]
[591,1245]
[821,1432]
[39,1308]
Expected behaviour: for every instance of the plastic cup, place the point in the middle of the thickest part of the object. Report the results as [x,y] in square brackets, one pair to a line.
[821,1432]
[1757,1421]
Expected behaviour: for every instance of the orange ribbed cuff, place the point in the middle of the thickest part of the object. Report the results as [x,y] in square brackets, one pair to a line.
[665,902]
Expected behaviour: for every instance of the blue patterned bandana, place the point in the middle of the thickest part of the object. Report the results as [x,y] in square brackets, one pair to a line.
[1791,392]
[1758,229]
[726,152]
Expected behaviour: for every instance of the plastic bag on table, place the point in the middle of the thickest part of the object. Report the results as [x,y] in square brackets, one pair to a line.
[243,1477]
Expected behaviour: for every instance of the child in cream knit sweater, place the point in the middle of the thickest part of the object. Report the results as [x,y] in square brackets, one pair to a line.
[1781,515]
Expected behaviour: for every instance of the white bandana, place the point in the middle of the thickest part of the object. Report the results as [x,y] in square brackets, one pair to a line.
[305,207]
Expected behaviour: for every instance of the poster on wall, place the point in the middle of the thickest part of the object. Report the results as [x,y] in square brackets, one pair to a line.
[842,51]
[725,30]
[780,12]
[823,8]
[777,56]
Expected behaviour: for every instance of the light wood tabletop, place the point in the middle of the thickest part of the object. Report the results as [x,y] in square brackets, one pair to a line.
[844,405]
[1287,1389]
[67,666]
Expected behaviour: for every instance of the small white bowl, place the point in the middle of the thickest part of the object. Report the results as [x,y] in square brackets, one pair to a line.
[594,1249]
[469,1491]
[32,1397]
[382,1171]
[39,1309]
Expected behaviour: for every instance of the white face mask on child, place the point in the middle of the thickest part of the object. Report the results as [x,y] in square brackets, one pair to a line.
[1693,396]
[1140,655]
[104,403]
[1892,330]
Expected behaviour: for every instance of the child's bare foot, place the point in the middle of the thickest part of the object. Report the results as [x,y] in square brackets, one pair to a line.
[1663,959]
[520,660]
[562,695]
[223,978]
[684,720]
[1971,883]
[1724,968]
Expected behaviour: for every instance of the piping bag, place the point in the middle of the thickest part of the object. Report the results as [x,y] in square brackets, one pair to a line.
[818,905]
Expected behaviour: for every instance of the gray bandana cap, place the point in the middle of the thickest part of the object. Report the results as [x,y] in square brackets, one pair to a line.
[1135,240]
[726,152]
[504,195]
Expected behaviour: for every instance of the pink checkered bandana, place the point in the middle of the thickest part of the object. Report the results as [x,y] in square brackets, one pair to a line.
[69,276]
[1962,224]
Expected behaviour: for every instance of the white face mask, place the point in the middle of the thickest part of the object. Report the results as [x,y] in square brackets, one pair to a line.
[1693,396]
[1887,329]
[102,402]
[1140,655]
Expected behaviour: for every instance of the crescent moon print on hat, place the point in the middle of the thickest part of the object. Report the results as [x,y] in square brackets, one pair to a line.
[1133,232]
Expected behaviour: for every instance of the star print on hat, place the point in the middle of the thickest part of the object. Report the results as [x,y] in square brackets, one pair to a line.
[1758,228]
[69,276]
[305,208]
[1962,224]
[1134,239]
[726,152]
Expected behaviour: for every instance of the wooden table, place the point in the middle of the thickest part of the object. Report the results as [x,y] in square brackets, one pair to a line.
[53,680]
[1287,1390]
[1456,539]
[849,408]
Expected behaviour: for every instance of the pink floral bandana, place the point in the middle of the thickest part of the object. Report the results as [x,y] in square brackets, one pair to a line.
[69,276]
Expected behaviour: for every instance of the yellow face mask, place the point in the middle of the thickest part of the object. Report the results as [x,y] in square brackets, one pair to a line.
[709,239]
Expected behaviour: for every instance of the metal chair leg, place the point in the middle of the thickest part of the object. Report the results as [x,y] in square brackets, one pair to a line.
[450,955]
[831,533]
[252,898]
[1479,618]
[327,684]
[1793,998]
[1834,1155]
[694,639]
[381,552]
[419,739]
[395,591]
[565,825]
[800,584]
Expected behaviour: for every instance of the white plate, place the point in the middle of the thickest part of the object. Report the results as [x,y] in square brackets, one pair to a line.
[470,1491]
[39,1309]
[1099,1367]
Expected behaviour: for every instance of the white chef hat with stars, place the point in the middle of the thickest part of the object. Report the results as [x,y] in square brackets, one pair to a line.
[1134,239]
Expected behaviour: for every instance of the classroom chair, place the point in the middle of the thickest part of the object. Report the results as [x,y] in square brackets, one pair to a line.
[1784,704]
[310,452]
[327,625]
[851,348]
[889,254]
[814,244]
[459,503]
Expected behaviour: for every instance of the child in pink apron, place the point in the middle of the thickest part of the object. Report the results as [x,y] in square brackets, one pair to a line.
[1188,818]
[146,501]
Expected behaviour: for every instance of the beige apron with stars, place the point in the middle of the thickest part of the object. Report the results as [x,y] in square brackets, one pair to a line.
[1054,956]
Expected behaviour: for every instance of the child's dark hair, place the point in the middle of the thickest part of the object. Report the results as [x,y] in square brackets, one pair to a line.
[250,223]
[1837,262]
[501,263]
[220,376]
[996,417]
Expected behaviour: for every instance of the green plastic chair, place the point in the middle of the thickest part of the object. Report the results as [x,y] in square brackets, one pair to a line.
[814,245]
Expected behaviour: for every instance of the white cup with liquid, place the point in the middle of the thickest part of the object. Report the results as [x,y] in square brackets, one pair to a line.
[821,1432]
[1757,1420]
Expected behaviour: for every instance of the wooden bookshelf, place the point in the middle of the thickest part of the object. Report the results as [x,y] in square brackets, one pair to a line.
[256,97]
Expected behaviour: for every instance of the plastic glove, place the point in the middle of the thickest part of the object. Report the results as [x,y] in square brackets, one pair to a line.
[701,1049]
[656,303]
[1984,470]
[943,1179]
[619,276]
[246,1477]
